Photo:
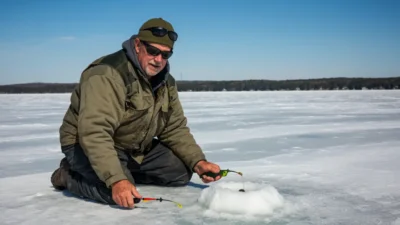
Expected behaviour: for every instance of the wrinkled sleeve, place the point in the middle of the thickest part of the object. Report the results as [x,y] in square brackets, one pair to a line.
[177,135]
[101,108]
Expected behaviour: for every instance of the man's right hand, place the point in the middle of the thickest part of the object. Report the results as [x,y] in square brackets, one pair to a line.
[123,192]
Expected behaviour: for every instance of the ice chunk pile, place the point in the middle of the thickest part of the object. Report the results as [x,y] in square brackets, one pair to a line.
[257,200]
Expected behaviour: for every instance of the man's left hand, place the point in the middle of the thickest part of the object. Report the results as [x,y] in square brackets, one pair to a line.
[204,167]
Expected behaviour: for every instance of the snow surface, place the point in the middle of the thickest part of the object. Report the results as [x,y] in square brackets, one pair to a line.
[311,157]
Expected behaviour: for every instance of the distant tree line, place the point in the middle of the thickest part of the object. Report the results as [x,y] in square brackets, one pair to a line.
[235,85]
[38,88]
[303,84]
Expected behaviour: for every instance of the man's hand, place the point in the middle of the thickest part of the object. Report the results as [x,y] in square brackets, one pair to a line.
[203,167]
[122,192]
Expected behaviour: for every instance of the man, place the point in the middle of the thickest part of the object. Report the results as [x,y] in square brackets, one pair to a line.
[125,124]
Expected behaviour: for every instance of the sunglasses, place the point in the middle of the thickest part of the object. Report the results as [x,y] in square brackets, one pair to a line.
[161,32]
[155,51]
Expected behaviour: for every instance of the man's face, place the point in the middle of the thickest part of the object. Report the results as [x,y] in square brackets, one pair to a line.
[151,64]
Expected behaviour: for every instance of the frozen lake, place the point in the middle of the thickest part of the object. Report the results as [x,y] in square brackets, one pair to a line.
[315,157]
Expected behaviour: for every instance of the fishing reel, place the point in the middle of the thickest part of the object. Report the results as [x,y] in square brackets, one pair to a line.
[222,173]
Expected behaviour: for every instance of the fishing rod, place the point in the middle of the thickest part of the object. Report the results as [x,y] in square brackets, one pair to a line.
[222,173]
[137,200]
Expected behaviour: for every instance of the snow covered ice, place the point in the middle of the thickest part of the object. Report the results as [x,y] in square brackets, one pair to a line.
[256,200]
[307,157]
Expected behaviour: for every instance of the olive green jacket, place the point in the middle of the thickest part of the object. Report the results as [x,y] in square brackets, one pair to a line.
[115,107]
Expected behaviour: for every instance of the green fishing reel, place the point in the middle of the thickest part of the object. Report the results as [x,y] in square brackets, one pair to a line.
[222,173]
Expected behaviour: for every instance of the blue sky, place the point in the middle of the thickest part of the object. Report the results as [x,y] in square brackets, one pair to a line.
[52,41]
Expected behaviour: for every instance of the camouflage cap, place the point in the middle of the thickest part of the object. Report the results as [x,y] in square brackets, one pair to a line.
[147,35]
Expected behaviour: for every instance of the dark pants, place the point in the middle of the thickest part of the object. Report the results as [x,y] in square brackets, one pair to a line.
[159,167]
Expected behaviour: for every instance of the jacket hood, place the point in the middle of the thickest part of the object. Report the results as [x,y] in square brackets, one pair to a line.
[155,81]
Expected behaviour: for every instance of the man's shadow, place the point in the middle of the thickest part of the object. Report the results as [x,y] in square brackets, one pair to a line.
[196,185]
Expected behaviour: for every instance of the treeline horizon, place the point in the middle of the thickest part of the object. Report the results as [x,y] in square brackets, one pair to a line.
[338,83]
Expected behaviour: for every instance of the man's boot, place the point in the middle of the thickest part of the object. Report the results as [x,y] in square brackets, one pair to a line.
[59,176]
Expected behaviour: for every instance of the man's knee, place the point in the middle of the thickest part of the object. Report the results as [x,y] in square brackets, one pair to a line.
[180,173]
[78,161]
[162,167]
[168,179]
[181,180]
